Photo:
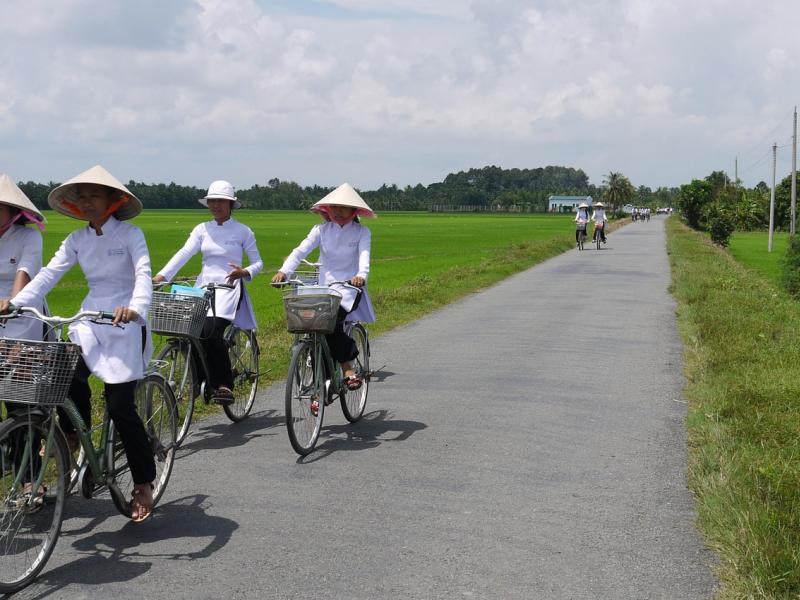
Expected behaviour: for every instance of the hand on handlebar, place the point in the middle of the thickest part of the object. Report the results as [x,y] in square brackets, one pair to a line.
[279,277]
[357,281]
[124,314]
[5,306]
[159,278]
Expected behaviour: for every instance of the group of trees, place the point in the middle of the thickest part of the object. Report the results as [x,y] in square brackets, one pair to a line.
[719,205]
[505,189]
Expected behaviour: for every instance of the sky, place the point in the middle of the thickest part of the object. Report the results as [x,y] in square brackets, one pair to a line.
[396,91]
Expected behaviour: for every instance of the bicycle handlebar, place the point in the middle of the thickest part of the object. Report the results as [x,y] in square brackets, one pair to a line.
[17,311]
[301,283]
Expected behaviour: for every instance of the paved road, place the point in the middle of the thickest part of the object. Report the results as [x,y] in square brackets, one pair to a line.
[526,442]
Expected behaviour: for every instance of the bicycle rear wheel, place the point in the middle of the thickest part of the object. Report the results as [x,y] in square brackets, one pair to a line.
[304,388]
[354,402]
[155,404]
[181,377]
[30,520]
[244,353]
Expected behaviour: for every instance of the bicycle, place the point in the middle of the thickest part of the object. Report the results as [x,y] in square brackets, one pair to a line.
[581,229]
[315,379]
[181,317]
[36,468]
[598,233]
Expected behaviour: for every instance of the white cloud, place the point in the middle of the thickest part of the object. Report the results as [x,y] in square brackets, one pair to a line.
[384,83]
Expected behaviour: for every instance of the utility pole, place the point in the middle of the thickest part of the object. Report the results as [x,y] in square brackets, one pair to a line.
[772,197]
[735,171]
[794,169]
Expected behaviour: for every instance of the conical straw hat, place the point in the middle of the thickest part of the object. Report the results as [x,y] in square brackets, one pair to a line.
[345,195]
[11,195]
[62,198]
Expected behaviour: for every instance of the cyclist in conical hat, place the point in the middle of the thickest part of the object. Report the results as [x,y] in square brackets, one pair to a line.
[600,220]
[222,241]
[114,258]
[582,218]
[20,254]
[344,245]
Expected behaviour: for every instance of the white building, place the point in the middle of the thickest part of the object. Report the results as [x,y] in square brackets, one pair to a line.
[567,203]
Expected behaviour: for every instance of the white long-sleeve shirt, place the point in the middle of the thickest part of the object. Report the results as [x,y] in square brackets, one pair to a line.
[344,253]
[599,215]
[221,246]
[20,250]
[117,269]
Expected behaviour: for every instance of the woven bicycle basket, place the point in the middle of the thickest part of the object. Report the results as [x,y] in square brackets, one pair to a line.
[311,309]
[36,372]
[177,314]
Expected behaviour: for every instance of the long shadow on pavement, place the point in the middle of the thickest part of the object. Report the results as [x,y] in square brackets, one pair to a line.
[219,435]
[371,431]
[113,556]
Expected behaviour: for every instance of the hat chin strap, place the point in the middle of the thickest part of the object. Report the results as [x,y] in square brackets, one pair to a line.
[22,213]
[115,206]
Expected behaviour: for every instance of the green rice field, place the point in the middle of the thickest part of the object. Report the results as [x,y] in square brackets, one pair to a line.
[420,261]
[750,249]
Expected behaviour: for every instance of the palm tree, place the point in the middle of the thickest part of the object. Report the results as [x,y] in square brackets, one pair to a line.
[619,190]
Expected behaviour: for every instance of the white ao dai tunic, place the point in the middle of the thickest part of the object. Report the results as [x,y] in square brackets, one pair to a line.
[222,245]
[117,269]
[344,252]
[20,250]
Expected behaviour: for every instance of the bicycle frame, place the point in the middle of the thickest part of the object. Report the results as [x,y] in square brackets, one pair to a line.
[202,360]
[324,366]
[95,456]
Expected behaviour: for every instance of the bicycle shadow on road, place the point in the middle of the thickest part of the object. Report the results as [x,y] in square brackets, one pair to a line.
[216,436]
[371,431]
[123,555]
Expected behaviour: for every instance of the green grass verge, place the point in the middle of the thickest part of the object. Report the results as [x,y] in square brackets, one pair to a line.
[750,249]
[742,363]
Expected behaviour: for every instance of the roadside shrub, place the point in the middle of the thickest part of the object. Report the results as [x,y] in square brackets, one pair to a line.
[720,224]
[790,267]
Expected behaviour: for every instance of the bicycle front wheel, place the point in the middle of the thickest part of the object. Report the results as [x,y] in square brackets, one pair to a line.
[155,404]
[354,402]
[244,353]
[304,399]
[30,520]
[181,377]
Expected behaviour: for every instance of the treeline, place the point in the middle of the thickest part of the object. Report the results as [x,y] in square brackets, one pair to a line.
[720,206]
[523,190]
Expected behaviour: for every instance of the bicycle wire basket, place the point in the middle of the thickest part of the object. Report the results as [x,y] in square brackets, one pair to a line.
[178,314]
[307,277]
[36,372]
[311,309]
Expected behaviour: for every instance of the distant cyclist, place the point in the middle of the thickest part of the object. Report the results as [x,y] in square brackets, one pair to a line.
[600,220]
[581,218]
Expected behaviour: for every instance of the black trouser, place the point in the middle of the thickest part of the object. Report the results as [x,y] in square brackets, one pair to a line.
[601,231]
[217,358]
[578,231]
[343,348]
[122,410]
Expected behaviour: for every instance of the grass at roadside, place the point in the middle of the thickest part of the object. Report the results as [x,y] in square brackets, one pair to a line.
[750,249]
[742,362]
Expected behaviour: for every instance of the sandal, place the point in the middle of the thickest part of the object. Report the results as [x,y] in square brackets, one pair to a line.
[141,510]
[35,501]
[353,382]
[223,395]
